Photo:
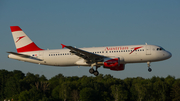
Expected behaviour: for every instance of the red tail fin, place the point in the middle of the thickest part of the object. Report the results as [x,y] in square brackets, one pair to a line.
[22,41]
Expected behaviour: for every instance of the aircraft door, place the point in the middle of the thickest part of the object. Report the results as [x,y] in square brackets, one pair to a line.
[41,55]
[148,50]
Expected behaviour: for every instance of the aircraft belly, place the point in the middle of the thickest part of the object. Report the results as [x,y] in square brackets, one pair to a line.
[132,59]
[61,60]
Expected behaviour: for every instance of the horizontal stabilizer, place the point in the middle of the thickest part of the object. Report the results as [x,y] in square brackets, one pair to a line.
[25,56]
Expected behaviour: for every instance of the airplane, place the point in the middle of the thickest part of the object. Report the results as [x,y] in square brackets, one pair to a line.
[109,57]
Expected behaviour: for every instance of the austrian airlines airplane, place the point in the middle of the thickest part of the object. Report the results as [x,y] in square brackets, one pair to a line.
[110,57]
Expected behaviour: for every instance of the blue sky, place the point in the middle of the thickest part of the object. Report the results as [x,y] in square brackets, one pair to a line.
[93,23]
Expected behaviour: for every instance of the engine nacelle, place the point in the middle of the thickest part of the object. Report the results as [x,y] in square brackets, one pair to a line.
[114,64]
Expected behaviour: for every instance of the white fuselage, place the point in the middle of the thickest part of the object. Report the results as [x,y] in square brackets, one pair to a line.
[127,54]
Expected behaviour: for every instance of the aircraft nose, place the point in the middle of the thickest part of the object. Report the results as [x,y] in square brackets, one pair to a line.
[168,55]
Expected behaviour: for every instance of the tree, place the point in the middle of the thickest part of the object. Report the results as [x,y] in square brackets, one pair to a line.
[29,80]
[18,74]
[101,88]
[160,89]
[75,85]
[42,78]
[31,95]
[42,86]
[105,96]
[24,96]
[75,95]
[13,84]
[175,92]
[119,93]
[4,76]
[65,90]
[128,85]
[169,80]
[86,81]
[12,87]
[88,94]
[56,93]
[55,81]
[141,90]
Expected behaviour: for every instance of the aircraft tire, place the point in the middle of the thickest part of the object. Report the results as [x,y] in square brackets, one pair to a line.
[149,69]
[91,70]
[96,73]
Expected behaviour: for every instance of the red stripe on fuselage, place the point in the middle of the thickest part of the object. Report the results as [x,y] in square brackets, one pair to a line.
[31,47]
[136,48]
[15,28]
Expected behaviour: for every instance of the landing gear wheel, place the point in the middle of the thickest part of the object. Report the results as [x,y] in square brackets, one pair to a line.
[91,70]
[149,69]
[96,73]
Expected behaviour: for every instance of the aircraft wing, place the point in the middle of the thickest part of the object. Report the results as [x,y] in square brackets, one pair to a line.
[90,57]
[25,56]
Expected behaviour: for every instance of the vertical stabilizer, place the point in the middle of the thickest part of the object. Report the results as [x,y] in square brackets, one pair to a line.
[22,42]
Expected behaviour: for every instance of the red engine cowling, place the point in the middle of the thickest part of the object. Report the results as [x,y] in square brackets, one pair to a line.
[114,64]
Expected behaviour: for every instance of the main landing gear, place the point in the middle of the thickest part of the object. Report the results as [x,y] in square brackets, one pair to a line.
[95,72]
[149,69]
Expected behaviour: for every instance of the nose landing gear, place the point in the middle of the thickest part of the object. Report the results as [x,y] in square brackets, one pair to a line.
[149,69]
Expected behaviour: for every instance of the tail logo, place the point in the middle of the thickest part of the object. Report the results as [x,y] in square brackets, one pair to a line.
[19,38]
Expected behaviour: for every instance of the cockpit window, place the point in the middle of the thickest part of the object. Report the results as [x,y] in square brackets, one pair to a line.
[160,49]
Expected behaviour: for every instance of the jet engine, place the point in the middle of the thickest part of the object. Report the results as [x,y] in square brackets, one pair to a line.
[114,64]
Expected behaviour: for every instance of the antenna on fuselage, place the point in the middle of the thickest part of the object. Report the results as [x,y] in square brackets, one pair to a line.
[146,43]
